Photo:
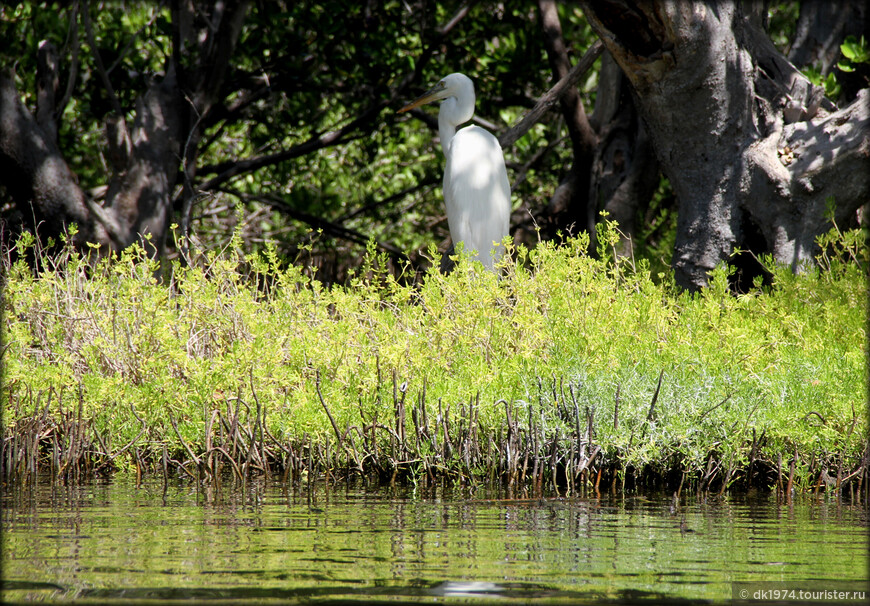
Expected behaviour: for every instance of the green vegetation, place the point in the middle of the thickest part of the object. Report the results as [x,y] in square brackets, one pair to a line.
[301,70]
[854,62]
[569,368]
[854,51]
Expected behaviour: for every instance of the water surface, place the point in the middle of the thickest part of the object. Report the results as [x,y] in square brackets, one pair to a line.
[115,543]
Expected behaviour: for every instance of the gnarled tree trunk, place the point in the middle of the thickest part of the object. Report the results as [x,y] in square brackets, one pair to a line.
[145,157]
[35,171]
[740,133]
[625,171]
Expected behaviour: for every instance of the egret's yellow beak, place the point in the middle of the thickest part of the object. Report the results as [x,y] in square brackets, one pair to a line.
[433,94]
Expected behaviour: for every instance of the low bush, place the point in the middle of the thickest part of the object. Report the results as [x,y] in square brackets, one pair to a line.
[566,366]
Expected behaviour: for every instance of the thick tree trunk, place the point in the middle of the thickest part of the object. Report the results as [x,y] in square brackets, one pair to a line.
[570,205]
[145,158]
[36,175]
[625,171]
[140,195]
[740,133]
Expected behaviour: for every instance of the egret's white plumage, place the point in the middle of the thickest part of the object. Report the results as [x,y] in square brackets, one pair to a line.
[477,192]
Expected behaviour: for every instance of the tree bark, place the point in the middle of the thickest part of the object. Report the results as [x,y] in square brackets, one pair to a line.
[625,171]
[570,204]
[740,133]
[145,156]
[36,175]
[140,195]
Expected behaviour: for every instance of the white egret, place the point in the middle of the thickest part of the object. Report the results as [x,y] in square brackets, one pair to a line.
[477,192]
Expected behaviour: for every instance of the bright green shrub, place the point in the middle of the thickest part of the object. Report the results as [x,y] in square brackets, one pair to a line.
[559,328]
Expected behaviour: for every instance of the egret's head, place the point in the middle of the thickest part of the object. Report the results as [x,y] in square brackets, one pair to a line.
[456,85]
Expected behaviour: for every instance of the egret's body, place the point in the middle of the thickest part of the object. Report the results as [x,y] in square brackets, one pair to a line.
[477,192]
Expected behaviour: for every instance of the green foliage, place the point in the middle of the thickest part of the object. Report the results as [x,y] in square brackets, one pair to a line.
[782,20]
[301,70]
[854,51]
[856,58]
[829,82]
[855,64]
[559,328]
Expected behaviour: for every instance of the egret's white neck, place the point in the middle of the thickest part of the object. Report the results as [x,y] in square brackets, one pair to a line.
[455,110]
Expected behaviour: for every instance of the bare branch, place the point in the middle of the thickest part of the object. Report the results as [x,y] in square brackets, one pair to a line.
[552,96]
[460,14]
[390,199]
[223,33]
[98,62]
[328,227]
[332,138]
[73,39]
[570,202]
[47,83]
[357,128]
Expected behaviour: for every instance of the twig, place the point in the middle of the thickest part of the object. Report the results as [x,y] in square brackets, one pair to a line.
[112,457]
[330,228]
[652,406]
[791,475]
[712,408]
[232,461]
[261,422]
[192,456]
[457,17]
[813,412]
[616,409]
[326,408]
[348,132]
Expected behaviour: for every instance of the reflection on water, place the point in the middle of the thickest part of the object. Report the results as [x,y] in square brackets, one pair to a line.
[115,543]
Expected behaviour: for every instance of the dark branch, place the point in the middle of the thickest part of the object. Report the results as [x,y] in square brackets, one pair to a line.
[328,227]
[552,96]
[227,171]
[362,210]
[460,14]
[98,62]
[74,61]
[47,83]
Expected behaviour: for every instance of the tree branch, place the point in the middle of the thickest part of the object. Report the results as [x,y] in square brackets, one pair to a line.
[389,199]
[47,83]
[457,17]
[227,171]
[98,62]
[328,227]
[223,33]
[36,175]
[74,61]
[790,168]
[552,96]
[570,203]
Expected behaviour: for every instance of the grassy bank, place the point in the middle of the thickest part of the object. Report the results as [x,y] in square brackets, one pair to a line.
[572,370]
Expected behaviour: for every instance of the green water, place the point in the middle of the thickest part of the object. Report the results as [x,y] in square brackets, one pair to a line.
[115,543]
